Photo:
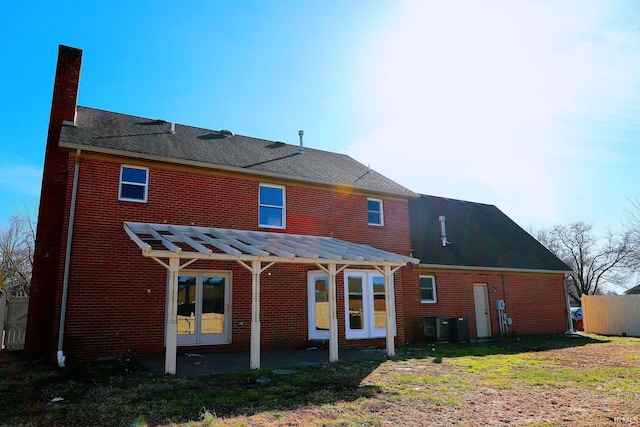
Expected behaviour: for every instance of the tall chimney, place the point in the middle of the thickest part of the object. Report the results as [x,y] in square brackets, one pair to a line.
[45,285]
[65,89]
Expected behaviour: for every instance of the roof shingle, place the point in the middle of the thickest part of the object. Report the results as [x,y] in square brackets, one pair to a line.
[480,235]
[108,132]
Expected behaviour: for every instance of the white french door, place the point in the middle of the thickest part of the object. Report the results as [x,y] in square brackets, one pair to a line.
[204,308]
[365,304]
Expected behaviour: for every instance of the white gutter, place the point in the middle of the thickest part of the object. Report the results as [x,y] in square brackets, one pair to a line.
[496,269]
[244,171]
[67,261]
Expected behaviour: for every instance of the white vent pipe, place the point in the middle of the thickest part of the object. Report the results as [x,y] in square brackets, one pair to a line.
[443,231]
[301,150]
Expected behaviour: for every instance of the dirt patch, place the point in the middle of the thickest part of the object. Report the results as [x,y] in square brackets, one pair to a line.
[530,381]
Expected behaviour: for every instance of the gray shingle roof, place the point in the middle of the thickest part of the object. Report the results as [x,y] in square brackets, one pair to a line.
[480,235]
[108,132]
[633,291]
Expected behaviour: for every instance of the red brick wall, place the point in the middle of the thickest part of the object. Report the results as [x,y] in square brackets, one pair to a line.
[534,301]
[48,254]
[116,301]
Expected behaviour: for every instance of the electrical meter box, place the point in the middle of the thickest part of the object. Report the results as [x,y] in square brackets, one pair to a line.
[500,304]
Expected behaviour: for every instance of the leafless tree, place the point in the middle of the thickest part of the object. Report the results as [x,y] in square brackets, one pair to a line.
[633,228]
[17,241]
[596,261]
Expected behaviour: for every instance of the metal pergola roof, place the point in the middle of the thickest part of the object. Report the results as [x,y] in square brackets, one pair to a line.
[191,242]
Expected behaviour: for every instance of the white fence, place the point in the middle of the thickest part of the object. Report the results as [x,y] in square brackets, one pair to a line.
[611,314]
[13,322]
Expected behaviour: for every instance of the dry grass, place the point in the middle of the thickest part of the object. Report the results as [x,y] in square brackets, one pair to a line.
[534,381]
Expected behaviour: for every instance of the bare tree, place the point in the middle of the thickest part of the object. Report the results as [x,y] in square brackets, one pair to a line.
[17,241]
[595,261]
[633,228]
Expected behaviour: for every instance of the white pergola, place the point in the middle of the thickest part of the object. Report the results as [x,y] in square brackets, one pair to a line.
[177,246]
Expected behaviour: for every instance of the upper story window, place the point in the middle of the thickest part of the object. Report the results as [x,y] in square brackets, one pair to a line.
[271,206]
[428,289]
[134,182]
[374,212]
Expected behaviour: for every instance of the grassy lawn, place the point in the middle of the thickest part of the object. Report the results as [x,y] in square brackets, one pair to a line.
[536,381]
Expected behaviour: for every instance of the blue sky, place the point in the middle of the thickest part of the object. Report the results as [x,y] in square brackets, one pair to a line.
[533,106]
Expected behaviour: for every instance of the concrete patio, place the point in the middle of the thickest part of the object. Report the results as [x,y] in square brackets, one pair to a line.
[193,364]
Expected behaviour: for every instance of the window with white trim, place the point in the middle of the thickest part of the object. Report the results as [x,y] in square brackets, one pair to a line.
[428,289]
[318,286]
[374,212]
[134,183]
[365,304]
[271,206]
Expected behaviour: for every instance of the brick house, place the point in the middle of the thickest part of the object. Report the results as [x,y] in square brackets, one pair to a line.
[159,237]
[471,257]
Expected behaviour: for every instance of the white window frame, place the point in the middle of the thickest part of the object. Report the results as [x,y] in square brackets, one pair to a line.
[369,331]
[371,199]
[435,295]
[145,185]
[283,207]
[315,334]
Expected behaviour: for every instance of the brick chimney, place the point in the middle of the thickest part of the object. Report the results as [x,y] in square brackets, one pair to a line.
[46,282]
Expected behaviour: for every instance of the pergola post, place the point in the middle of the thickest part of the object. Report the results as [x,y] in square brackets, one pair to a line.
[254,356]
[391,350]
[172,318]
[333,315]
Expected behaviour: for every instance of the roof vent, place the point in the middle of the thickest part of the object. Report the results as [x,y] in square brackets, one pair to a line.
[443,231]
[173,128]
[301,133]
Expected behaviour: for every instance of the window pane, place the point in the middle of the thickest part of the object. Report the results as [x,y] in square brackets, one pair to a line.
[186,305]
[426,294]
[426,289]
[128,191]
[134,175]
[374,218]
[373,205]
[356,309]
[212,305]
[271,196]
[322,304]
[379,305]
[271,216]
[374,211]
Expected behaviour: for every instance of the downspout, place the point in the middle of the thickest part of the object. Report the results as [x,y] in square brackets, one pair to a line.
[570,331]
[67,261]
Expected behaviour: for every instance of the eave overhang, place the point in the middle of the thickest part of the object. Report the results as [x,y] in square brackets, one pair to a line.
[238,170]
[492,269]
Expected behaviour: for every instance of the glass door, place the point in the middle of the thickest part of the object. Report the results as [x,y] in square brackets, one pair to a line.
[204,315]
[365,302]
